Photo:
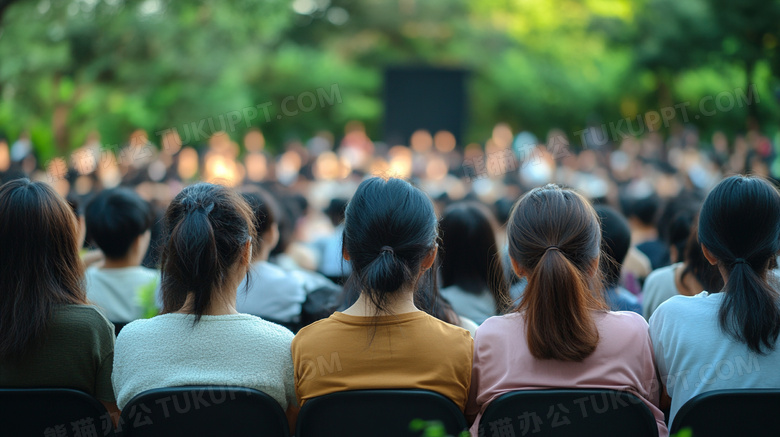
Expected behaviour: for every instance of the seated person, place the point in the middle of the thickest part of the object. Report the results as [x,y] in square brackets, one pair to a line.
[269,291]
[383,340]
[200,339]
[49,335]
[615,241]
[119,222]
[726,339]
[561,334]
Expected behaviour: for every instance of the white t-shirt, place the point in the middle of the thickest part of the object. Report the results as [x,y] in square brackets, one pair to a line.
[659,286]
[233,350]
[116,292]
[273,293]
[694,355]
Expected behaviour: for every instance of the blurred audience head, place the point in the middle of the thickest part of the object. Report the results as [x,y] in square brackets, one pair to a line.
[615,242]
[469,252]
[119,222]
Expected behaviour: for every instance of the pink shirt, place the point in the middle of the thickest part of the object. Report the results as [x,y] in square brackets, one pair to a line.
[623,360]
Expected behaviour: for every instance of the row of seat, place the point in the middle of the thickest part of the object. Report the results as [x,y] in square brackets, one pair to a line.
[237,412]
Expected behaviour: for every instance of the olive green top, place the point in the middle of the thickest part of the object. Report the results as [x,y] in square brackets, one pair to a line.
[77,351]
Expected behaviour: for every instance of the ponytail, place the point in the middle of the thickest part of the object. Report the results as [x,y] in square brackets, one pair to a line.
[384,275]
[206,228]
[557,303]
[195,257]
[749,311]
[739,225]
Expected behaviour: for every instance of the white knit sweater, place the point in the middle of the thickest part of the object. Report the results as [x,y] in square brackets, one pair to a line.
[234,350]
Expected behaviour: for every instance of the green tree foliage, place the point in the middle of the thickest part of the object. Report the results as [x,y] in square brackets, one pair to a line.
[71,67]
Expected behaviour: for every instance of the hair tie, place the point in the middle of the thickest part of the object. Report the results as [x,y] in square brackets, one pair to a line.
[551,248]
[387,249]
[739,261]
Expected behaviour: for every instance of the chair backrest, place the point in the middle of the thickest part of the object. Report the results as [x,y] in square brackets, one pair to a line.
[45,412]
[749,412]
[568,412]
[377,413]
[203,411]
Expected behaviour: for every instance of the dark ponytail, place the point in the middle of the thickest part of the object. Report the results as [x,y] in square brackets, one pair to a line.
[554,235]
[206,228]
[740,225]
[390,227]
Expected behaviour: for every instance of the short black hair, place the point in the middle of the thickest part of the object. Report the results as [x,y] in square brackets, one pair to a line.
[115,218]
[645,209]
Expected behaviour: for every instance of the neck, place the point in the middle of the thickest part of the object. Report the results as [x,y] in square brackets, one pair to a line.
[128,261]
[400,302]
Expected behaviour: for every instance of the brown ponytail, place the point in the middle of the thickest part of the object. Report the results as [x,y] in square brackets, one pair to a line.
[554,236]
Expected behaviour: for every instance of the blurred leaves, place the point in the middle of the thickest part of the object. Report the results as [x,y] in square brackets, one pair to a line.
[70,67]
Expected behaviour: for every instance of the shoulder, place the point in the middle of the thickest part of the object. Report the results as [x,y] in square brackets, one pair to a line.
[625,321]
[660,275]
[80,319]
[507,325]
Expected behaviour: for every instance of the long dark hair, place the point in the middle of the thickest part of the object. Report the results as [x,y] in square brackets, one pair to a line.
[389,228]
[39,263]
[205,227]
[469,253]
[740,225]
[554,235]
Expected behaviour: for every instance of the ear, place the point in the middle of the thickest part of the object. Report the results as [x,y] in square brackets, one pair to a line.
[429,259]
[710,257]
[247,258]
[345,254]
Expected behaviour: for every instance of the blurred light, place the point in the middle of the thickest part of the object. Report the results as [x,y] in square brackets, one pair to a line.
[44,6]
[188,163]
[150,7]
[304,7]
[254,141]
[288,167]
[436,168]
[221,169]
[444,141]
[171,142]
[256,166]
[421,141]
[472,151]
[400,162]
[379,167]
[156,171]
[5,156]
[326,167]
[83,185]
[83,160]
[502,135]
[57,169]
[338,16]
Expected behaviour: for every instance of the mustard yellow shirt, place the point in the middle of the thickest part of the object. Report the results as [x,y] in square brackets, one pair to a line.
[410,350]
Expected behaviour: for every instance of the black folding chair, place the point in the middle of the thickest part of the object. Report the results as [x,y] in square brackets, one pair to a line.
[45,412]
[568,413]
[205,411]
[748,412]
[377,413]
